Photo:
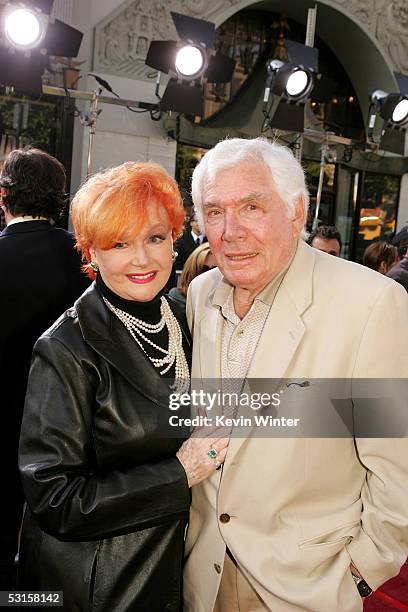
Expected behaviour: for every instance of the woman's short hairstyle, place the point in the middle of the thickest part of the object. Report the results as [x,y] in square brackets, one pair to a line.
[194,266]
[35,183]
[287,173]
[104,208]
[379,252]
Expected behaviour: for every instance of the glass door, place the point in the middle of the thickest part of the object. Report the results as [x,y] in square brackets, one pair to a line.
[377,212]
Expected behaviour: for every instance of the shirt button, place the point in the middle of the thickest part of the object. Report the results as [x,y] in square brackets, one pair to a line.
[217,568]
[241,332]
[225,518]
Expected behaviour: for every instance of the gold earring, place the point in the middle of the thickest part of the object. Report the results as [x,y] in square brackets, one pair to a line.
[174,255]
[94,266]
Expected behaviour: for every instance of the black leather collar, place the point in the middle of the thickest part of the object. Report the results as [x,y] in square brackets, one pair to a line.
[103,331]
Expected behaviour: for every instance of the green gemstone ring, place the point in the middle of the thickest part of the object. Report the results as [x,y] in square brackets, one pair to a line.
[212,453]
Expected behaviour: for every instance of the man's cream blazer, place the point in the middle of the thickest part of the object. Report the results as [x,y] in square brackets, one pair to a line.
[303,508]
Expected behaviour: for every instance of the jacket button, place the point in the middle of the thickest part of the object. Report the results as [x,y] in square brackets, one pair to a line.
[225,518]
[217,568]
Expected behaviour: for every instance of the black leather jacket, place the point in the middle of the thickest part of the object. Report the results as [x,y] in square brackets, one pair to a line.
[108,499]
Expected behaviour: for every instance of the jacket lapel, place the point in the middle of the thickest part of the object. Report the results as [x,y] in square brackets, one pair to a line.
[209,342]
[103,331]
[284,328]
[283,331]
[208,332]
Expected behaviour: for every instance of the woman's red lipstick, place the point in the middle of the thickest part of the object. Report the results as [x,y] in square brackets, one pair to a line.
[142,279]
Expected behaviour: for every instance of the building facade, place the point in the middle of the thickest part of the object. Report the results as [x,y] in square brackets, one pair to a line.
[367,38]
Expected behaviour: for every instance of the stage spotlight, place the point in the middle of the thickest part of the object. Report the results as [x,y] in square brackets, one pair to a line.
[393,109]
[293,82]
[191,60]
[297,83]
[27,37]
[400,114]
[24,28]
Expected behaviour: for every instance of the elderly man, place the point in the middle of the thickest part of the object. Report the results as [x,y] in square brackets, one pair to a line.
[290,523]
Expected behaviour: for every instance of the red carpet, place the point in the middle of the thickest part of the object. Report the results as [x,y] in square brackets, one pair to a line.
[392,596]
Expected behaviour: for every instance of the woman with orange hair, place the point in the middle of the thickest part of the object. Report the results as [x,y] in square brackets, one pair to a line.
[106,482]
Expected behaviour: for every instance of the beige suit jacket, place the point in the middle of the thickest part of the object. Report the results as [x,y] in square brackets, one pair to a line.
[303,508]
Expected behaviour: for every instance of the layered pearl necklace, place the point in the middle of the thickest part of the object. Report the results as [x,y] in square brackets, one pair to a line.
[174,353]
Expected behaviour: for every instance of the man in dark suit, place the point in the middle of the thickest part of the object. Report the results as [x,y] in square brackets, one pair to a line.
[40,277]
[184,246]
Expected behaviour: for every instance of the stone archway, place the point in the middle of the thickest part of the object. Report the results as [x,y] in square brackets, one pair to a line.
[369,38]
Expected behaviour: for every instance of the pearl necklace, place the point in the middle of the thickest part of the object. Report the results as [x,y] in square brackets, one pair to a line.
[174,353]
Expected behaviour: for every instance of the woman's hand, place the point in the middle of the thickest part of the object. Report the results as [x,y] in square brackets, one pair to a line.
[193,456]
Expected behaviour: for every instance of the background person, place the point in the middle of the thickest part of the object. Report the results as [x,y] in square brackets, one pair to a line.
[380,256]
[399,271]
[199,261]
[400,240]
[108,497]
[184,246]
[40,277]
[327,239]
[291,523]
[190,240]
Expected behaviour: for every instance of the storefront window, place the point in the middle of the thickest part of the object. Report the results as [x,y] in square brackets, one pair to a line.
[348,181]
[378,211]
[25,122]
[187,159]
[46,124]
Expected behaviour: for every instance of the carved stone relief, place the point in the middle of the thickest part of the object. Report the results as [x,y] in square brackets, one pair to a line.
[392,31]
[362,10]
[123,38]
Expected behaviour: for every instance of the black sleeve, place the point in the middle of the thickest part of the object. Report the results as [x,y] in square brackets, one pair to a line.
[182,253]
[78,281]
[70,497]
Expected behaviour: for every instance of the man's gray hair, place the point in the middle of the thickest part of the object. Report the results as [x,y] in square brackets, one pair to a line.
[287,173]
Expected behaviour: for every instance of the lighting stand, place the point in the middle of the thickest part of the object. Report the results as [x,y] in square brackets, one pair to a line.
[90,119]
[309,42]
[324,148]
[327,139]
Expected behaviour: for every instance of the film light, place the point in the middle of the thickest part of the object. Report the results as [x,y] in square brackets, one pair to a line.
[24,28]
[392,108]
[28,36]
[292,82]
[192,61]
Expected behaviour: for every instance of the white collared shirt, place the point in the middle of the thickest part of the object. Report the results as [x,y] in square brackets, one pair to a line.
[240,337]
[26,218]
[196,237]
